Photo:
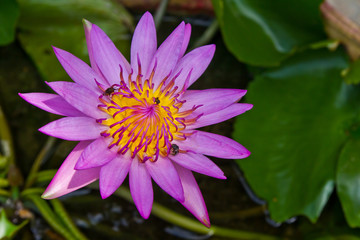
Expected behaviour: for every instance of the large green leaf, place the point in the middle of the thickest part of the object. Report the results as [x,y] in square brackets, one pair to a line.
[352,74]
[9,13]
[46,23]
[263,32]
[299,122]
[348,181]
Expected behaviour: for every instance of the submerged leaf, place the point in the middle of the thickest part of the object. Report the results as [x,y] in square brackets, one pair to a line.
[9,13]
[7,228]
[47,23]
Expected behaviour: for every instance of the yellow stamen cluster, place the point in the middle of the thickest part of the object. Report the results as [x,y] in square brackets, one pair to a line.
[142,120]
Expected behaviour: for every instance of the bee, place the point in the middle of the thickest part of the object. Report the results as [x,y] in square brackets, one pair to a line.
[111,90]
[157,101]
[174,149]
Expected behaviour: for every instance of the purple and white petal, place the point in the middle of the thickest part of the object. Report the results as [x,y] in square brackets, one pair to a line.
[222,115]
[79,97]
[165,175]
[113,174]
[67,179]
[194,201]
[144,44]
[96,154]
[79,71]
[195,61]
[73,128]
[213,145]
[198,163]
[141,188]
[167,56]
[87,28]
[187,34]
[107,57]
[211,100]
[52,103]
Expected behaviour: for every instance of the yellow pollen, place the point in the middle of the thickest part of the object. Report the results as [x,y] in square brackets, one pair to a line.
[142,120]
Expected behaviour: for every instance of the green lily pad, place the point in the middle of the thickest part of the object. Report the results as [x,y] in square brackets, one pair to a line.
[348,181]
[263,32]
[9,14]
[352,74]
[47,23]
[299,123]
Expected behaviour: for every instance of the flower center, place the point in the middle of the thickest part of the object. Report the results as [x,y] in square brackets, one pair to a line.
[143,120]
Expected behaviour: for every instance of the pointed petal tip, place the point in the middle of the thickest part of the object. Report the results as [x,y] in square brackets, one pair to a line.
[50,193]
[249,106]
[205,220]
[243,155]
[147,15]
[46,196]
[182,25]
[144,215]
[104,195]
[86,22]
[212,47]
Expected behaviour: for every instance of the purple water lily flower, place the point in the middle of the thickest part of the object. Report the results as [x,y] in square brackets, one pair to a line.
[139,118]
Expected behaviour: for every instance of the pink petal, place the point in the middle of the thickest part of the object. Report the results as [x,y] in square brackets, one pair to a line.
[141,188]
[78,71]
[113,174]
[214,145]
[167,55]
[108,58]
[52,103]
[222,115]
[73,128]
[194,201]
[143,43]
[195,61]
[165,175]
[67,179]
[96,154]
[211,100]
[87,28]
[79,97]
[187,34]
[198,163]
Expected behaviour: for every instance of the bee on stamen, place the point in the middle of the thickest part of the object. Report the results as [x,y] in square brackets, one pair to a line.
[111,90]
[157,101]
[174,149]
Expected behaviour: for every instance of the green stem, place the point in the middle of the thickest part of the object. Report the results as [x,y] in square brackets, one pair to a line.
[64,216]
[242,214]
[39,159]
[45,176]
[4,183]
[207,35]
[6,141]
[50,217]
[32,191]
[4,193]
[160,13]
[192,225]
